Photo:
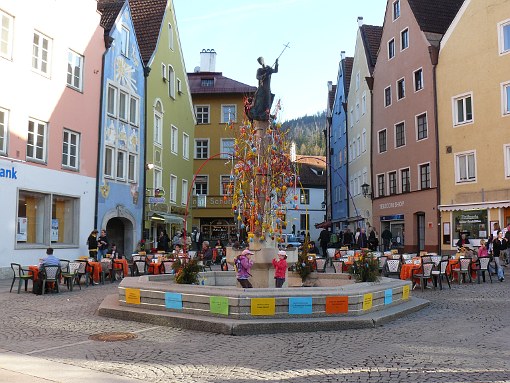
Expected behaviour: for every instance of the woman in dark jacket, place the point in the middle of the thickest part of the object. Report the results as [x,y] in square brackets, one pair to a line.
[498,247]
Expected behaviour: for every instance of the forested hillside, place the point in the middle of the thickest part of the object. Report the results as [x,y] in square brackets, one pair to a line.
[308,134]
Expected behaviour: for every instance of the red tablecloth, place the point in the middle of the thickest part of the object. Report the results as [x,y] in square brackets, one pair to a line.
[122,263]
[406,271]
[154,267]
[35,271]
[96,270]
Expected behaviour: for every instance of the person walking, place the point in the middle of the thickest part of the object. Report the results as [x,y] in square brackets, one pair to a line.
[280,268]
[498,247]
[324,238]
[386,237]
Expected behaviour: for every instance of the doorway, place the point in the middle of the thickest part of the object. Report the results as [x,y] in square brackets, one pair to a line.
[421,231]
[120,232]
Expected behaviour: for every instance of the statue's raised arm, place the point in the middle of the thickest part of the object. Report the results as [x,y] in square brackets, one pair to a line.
[263,98]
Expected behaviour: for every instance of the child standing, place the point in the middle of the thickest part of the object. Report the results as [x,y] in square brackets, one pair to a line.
[280,268]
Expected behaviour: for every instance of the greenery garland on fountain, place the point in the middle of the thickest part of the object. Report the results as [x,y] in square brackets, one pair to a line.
[304,266]
[186,272]
[365,268]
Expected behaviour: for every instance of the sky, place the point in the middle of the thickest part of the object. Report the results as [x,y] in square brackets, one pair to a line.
[242,30]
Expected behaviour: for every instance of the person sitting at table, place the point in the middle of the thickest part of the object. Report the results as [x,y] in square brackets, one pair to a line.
[178,249]
[114,253]
[312,248]
[207,253]
[50,259]
[463,241]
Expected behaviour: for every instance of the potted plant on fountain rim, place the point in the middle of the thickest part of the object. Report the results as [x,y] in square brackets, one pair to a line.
[305,266]
[365,268]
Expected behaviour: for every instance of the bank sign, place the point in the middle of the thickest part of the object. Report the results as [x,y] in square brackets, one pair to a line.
[9,173]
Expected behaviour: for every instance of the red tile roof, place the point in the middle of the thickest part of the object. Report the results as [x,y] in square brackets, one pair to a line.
[331,97]
[349,61]
[312,170]
[109,10]
[221,84]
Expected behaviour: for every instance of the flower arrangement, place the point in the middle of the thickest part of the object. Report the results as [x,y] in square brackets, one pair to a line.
[141,245]
[186,273]
[304,266]
[365,268]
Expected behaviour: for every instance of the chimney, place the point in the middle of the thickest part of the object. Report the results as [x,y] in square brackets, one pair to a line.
[360,21]
[207,60]
[342,55]
[293,151]
[330,86]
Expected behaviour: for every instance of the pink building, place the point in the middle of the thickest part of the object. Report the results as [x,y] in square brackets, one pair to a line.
[405,186]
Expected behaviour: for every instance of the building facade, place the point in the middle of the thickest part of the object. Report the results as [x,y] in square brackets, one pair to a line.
[359,128]
[218,102]
[474,116]
[48,128]
[121,168]
[404,137]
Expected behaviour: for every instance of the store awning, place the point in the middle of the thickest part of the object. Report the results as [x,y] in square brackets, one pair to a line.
[323,225]
[168,218]
[475,206]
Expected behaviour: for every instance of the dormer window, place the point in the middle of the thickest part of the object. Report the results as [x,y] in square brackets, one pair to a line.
[207,82]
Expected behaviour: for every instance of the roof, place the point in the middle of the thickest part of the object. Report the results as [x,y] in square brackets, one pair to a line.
[312,171]
[371,36]
[435,16]
[349,61]
[221,84]
[109,10]
[147,18]
[331,97]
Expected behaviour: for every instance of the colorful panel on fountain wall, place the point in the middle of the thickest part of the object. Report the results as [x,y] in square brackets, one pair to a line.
[367,301]
[173,301]
[337,305]
[133,296]
[388,296]
[218,305]
[300,306]
[263,306]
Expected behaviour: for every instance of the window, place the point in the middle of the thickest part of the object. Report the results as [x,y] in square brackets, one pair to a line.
[171,81]
[74,70]
[170,37]
[173,188]
[381,187]
[111,99]
[421,126]
[387,96]
[418,80]
[185,146]
[4,120]
[392,179]
[504,37]
[304,196]
[201,149]
[202,114]
[303,222]
[70,149]
[506,99]
[41,53]
[396,9]
[507,160]
[158,178]
[357,80]
[382,141]
[132,160]
[405,180]
[124,41]
[201,185]
[358,146]
[36,141]
[184,192]
[463,109]
[174,140]
[465,170]
[179,86]
[123,105]
[108,161]
[163,71]
[121,165]
[400,135]
[227,147]
[207,82]
[228,113]
[44,219]
[364,104]
[425,176]
[133,111]
[401,88]
[158,124]
[6,29]
[391,49]
[364,140]
[351,119]
[404,39]
[226,185]
[356,111]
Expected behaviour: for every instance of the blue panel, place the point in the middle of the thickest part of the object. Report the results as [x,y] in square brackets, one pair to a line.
[388,296]
[173,301]
[300,306]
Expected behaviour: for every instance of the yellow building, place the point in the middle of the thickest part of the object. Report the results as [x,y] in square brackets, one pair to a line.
[219,109]
[473,98]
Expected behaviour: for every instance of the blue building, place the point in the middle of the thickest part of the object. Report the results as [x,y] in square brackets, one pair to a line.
[337,146]
[121,163]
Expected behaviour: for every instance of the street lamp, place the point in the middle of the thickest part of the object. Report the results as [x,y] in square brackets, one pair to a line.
[323,205]
[365,189]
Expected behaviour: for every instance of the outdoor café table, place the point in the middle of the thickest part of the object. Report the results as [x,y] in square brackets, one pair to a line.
[406,270]
[154,267]
[96,270]
[34,270]
[122,263]
[454,264]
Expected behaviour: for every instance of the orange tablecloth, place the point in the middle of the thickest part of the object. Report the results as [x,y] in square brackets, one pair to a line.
[96,270]
[407,270]
[154,267]
[35,271]
[121,263]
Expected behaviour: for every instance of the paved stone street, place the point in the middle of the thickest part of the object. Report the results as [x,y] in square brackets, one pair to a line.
[463,336]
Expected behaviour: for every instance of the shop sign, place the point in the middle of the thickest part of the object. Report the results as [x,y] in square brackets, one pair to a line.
[391,205]
[156,199]
[395,217]
[9,173]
